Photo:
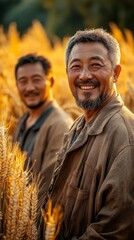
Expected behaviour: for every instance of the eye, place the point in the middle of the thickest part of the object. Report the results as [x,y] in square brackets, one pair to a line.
[96,66]
[22,82]
[75,67]
[37,80]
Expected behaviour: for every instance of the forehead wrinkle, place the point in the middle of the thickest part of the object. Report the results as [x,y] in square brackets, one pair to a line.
[96,58]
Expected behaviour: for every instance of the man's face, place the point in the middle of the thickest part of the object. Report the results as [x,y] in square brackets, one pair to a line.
[90,75]
[33,85]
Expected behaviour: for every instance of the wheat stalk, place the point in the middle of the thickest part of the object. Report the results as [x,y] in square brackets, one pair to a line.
[19,196]
[53,219]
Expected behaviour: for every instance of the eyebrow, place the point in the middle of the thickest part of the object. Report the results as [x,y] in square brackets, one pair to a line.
[92,58]
[35,75]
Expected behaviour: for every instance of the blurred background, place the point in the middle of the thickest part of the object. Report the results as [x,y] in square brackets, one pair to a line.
[63,17]
[44,26]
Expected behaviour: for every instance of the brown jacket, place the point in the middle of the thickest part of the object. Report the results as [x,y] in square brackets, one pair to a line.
[47,143]
[94,177]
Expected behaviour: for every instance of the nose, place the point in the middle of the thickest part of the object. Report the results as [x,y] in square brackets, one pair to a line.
[30,86]
[85,73]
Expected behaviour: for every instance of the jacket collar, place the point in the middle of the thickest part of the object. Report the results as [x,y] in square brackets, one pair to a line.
[40,120]
[96,124]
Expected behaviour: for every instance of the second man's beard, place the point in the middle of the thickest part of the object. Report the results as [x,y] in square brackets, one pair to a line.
[35,106]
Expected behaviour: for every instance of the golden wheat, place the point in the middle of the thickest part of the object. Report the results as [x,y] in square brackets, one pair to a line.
[18,198]
[52,219]
[19,207]
[35,40]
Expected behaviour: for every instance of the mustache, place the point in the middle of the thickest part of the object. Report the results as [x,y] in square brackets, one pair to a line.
[31,93]
[81,82]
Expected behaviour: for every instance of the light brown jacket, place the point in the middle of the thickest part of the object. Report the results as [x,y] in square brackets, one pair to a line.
[47,143]
[94,177]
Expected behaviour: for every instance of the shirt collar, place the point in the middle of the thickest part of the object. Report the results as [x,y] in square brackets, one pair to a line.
[40,120]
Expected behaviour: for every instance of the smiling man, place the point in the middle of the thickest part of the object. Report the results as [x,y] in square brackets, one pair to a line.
[94,178]
[41,129]
[91,75]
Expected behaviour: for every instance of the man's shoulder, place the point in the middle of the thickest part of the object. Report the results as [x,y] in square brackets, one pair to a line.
[121,126]
[126,113]
[58,114]
[128,120]
[125,116]
[115,115]
[58,117]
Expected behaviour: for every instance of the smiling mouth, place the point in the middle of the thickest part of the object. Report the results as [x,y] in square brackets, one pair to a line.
[87,87]
[31,95]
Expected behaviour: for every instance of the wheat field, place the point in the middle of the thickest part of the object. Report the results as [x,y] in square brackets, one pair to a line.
[36,41]
[19,207]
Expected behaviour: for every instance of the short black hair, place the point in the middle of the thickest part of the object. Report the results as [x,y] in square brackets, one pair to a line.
[33,58]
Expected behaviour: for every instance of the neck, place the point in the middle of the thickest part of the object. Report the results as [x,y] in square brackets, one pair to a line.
[34,114]
[91,113]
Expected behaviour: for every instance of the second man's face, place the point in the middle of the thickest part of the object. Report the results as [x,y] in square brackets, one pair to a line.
[90,75]
[32,84]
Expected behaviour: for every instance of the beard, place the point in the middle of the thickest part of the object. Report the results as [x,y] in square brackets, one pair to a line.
[35,106]
[88,104]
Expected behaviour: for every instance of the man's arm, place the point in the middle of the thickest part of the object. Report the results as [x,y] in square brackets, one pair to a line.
[115,218]
[55,138]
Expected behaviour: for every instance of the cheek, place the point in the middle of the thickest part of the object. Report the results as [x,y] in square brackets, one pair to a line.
[71,85]
[72,74]
[106,85]
[21,92]
[71,78]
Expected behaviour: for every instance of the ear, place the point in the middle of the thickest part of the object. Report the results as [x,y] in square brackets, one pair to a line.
[51,81]
[117,71]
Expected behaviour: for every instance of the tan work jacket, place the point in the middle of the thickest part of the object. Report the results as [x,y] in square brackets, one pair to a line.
[94,177]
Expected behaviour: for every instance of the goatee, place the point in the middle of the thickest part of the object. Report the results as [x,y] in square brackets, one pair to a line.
[35,106]
[88,104]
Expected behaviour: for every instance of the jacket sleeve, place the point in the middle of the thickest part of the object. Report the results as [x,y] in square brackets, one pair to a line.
[54,141]
[115,217]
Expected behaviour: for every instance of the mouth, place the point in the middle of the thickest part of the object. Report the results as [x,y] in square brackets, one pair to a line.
[31,95]
[87,87]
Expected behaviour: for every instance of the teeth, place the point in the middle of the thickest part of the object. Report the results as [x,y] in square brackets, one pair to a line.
[87,87]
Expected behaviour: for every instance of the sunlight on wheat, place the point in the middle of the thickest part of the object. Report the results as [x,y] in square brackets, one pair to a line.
[35,40]
[52,219]
[126,78]
[19,207]
[18,198]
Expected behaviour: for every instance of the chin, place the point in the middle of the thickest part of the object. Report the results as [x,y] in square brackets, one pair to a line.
[31,106]
[90,103]
[35,105]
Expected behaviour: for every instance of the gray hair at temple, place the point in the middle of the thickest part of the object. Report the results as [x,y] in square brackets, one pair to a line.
[95,35]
